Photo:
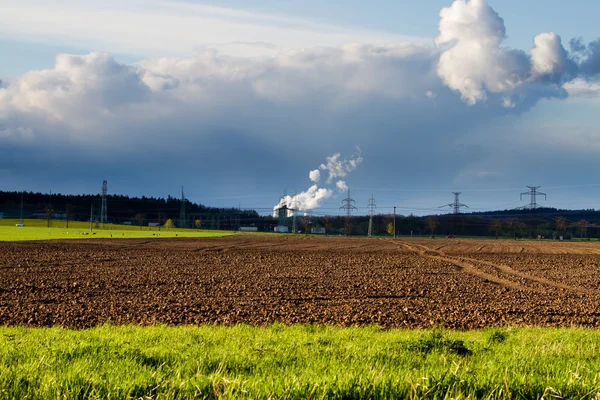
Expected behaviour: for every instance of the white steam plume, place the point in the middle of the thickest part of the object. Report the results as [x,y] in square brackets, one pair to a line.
[340,168]
[314,196]
[341,186]
[308,200]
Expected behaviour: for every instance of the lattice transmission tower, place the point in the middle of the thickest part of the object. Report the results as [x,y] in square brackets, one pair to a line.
[348,206]
[104,210]
[533,194]
[372,207]
[295,208]
[182,217]
[457,205]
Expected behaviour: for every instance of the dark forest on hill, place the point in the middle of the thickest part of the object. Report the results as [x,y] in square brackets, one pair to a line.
[120,209]
[547,222]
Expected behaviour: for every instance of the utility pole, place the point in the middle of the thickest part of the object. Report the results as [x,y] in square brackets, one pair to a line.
[294,221]
[182,217]
[91,215]
[22,197]
[457,205]
[103,211]
[348,206]
[533,193]
[49,210]
[394,222]
[371,212]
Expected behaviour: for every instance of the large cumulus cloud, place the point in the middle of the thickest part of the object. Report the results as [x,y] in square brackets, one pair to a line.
[475,63]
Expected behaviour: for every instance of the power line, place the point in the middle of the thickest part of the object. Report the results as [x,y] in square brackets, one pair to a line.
[348,206]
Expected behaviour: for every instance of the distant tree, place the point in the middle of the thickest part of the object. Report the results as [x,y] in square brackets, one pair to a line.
[516,226]
[511,225]
[306,223]
[139,218]
[433,223]
[582,225]
[390,228]
[169,224]
[198,223]
[496,227]
[561,224]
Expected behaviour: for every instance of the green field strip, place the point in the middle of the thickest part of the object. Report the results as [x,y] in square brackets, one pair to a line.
[280,361]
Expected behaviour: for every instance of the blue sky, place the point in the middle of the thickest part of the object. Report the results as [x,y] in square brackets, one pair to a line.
[411,18]
[238,101]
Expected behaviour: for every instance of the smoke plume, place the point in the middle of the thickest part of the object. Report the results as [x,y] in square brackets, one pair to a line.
[338,168]
[314,196]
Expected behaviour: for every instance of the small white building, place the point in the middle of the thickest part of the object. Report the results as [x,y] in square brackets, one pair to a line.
[318,231]
[282,229]
[248,229]
[153,224]
[1,215]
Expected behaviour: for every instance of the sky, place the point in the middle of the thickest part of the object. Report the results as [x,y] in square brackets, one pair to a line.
[243,102]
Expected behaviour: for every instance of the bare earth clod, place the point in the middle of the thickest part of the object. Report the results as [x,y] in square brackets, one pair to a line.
[264,279]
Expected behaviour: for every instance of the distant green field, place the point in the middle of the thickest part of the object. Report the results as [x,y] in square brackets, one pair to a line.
[36,229]
[298,362]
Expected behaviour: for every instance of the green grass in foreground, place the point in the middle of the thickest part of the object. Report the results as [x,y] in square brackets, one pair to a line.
[13,233]
[297,362]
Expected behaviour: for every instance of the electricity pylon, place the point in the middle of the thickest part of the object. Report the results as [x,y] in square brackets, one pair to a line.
[348,206]
[457,205]
[371,212]
[533,193]
[182,218]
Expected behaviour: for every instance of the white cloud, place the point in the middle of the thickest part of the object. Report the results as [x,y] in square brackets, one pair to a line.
[549,57]
[167,27]
[315,175]
[214,106]
[582,88]
[474,62]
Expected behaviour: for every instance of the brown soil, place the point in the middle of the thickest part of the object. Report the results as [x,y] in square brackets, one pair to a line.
[263,279]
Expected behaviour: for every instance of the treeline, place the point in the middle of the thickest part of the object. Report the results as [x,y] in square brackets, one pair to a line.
[120,209]
[546,222]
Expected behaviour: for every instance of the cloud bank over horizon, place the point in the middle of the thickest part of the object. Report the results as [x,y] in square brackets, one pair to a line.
[241,116]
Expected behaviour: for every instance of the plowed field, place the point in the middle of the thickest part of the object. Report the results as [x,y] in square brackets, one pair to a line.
[260,280]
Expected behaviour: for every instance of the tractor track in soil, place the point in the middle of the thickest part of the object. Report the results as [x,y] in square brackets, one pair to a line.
[468,264]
